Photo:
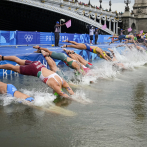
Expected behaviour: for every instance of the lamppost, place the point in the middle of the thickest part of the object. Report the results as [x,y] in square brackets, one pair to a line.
[100,4]
[110,4]
[127,2]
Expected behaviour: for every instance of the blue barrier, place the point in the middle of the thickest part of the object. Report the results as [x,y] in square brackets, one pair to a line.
[28,38]
[47,38]
[7,37]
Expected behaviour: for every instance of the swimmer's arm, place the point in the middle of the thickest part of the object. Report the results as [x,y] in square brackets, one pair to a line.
[20,95]
[134,42]
[61,93]
[45,49]
[70,91]
[108,58]
[101,53]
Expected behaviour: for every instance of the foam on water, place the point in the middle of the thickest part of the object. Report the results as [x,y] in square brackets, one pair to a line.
[103,69]
[81,97]
[41,99]
[6,100]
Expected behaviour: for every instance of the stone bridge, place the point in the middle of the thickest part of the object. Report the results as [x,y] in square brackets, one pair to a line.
[82,13]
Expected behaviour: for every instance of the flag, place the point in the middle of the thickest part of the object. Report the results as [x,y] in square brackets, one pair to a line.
[68,23]
[129,29]
[104,26]
[141,31]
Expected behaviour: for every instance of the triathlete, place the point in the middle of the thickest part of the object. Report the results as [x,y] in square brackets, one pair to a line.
[35,68]
[125,37]
[93,49]
[63,57]
[113,57]
[11,90]
[73,56]
[52,65]
[139,48]
[80,59]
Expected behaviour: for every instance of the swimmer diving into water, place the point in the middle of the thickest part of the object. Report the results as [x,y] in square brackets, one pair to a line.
[125,37]
[11,90]
[63,57]
[79,58]
[73,56]
[93,49]
[35,68]
[113,57]
[52,65]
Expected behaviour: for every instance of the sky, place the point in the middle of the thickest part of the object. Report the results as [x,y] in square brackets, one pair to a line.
[117,5]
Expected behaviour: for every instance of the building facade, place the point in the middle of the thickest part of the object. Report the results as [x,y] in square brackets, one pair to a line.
[137,19]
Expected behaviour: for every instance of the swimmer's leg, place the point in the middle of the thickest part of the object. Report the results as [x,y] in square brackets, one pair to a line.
[51,63]
[13,58]
[10,67]
[113,41]
[73,42]
[113,37]
[77,46]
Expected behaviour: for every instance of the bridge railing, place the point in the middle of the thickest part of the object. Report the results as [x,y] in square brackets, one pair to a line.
[73,14]
[80,6]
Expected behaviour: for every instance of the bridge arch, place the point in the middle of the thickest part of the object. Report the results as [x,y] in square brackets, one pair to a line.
[79,14]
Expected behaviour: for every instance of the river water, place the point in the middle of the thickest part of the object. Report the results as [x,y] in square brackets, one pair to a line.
[114,112]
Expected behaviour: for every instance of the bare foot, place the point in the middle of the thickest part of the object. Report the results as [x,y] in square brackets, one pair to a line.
[36,47]
[64,49]
[65,40]
[63,46]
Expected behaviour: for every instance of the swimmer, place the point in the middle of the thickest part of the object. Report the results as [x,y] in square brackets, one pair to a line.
[35,68]
[125,37]
[80,59]
[11,90]
[139,48]
[73,56]
[52,65]
[93,49]
[113,57]
[63,57]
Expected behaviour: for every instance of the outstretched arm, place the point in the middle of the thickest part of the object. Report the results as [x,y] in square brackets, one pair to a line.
[68,88]
[45,49]
[101,53]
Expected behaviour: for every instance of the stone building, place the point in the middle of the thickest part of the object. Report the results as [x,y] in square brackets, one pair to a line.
[137,19]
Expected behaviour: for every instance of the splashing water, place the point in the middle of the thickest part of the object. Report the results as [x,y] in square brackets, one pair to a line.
[103,69]
[41,99]
[80,96]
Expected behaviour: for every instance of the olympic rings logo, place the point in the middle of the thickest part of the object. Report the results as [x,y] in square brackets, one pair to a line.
[28,38]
